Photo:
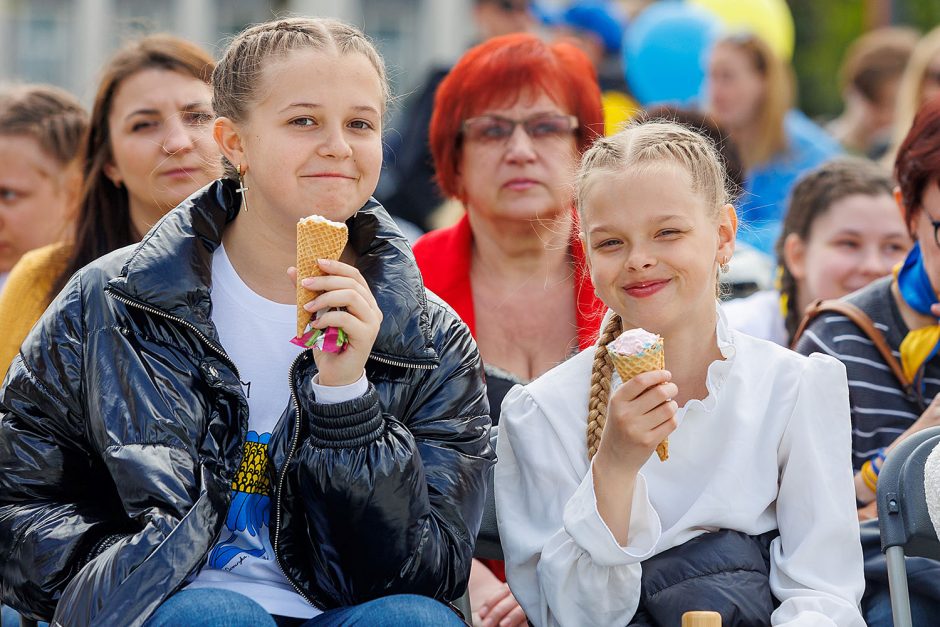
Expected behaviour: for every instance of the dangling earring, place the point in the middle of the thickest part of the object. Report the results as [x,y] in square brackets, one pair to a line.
[724,267]
[242,188]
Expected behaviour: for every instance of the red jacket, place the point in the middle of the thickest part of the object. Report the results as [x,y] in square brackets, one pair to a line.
[443,257]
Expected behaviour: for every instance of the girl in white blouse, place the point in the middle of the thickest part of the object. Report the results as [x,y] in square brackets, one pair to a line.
[752,514]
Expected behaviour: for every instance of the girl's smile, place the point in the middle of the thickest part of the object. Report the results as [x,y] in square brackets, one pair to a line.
[643,289]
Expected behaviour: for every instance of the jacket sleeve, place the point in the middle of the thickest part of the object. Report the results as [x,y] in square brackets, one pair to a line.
[816,563]
[395,502]
[562,561]
[49,523]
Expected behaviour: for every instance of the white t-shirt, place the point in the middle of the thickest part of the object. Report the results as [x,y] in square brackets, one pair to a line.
[256,334]
[752,456]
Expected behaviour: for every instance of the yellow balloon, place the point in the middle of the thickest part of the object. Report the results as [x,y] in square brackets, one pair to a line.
[619,108]
[771,20]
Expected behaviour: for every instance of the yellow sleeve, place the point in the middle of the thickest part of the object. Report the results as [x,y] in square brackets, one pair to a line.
[26,295]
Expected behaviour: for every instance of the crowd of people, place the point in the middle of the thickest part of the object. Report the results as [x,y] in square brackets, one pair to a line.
[171,454]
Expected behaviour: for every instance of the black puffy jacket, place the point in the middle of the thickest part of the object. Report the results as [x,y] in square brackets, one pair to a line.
[123,421]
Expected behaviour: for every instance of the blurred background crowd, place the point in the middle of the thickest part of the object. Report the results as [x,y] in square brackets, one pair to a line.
[789,84]
[807,101]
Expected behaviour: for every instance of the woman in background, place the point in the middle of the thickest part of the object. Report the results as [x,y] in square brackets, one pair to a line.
[148,148]
[842,231]
[751,95]
[41,130]
[510,122]
[920,82]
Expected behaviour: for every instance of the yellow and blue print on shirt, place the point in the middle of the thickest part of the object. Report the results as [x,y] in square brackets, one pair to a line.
[249,513]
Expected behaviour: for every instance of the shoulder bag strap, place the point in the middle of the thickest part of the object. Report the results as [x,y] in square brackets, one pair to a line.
[863,322]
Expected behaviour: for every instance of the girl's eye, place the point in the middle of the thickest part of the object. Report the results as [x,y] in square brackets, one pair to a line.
[607,243]
[8,195]
[847,244]
[668,233]
[142,125]
[305,122]
[895,248]
[197,118]
[361,125]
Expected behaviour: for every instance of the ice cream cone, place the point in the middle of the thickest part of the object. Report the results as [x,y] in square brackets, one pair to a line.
[628,366]
[317,238]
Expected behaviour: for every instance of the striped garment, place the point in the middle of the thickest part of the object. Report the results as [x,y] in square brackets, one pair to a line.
[881,410]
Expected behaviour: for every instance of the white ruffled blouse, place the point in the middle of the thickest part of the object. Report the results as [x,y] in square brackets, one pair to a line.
[769,447]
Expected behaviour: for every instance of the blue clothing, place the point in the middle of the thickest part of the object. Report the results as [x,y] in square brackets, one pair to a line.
[9,618]
[214,607]
[767,187]
[877,609]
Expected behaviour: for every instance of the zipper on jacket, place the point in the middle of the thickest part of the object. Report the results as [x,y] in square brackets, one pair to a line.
[202,336]
[295,438]
[401,364]
[221,352]
[280,479]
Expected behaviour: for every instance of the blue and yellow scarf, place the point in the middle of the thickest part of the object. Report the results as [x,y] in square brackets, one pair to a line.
[919,345]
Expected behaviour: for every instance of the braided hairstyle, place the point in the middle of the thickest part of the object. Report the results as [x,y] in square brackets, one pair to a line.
[640,145]
[601,372]
[811,198]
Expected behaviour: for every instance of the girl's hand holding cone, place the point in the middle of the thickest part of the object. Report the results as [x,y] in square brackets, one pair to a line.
[640,415]
[345,302]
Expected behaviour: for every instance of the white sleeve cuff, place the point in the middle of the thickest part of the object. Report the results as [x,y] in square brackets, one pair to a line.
[586,527]
[332,394]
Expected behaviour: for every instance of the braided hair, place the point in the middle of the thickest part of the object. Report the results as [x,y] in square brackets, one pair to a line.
[601,372]
[638,145]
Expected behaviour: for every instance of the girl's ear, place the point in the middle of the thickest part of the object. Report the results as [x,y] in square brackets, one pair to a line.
[584,250]
[227,137]
[113,173]
[794,256]
[727,233]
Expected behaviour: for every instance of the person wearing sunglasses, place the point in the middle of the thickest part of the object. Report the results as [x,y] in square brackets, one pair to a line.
[885,410]
[509,125]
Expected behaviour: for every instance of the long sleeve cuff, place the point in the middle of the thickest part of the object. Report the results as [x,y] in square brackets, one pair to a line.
[586,527]
[347,424]
[332,394]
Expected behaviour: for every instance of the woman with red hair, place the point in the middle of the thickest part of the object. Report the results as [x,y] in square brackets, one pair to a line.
[510,123]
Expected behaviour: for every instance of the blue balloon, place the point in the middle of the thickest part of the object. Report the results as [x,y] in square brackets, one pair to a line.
[665,53]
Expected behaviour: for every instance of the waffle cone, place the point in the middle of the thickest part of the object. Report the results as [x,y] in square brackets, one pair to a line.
[316,239]
[628,366]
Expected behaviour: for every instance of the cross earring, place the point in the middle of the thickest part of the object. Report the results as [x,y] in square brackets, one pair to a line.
[242,188]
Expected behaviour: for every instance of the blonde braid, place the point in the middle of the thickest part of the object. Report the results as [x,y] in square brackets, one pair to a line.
[600,385]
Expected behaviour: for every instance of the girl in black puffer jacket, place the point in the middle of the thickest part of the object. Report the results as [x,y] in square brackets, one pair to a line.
[168,455]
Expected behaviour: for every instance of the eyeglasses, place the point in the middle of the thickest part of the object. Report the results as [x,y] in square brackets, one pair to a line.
[936,229]
[496,130]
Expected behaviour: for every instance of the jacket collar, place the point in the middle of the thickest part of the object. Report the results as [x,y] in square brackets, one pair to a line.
[171,270]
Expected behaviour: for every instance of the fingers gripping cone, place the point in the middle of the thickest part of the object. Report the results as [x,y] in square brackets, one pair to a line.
[317,238]
[650,357]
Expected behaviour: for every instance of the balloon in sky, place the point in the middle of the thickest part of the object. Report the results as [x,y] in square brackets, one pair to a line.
[665,53]
[771,20]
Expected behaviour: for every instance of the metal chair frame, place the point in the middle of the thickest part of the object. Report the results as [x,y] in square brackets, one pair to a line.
[903,520]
